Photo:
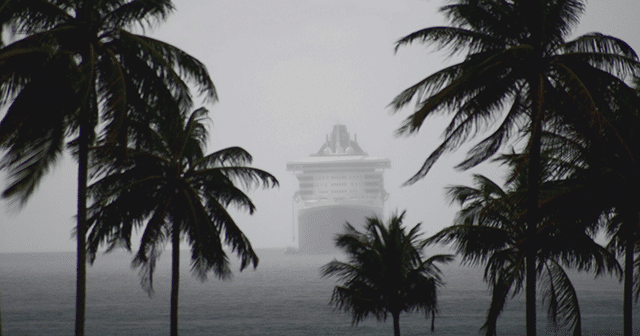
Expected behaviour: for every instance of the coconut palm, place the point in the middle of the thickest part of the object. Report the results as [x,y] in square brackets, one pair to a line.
[611,175]
[603,177]
[488,230]
[171,189]
[387,272]
[623,231]
[600,184]
[517,67]
[77,65]
[621,164]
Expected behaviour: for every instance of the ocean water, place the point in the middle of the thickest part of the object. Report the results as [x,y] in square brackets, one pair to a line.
[285,295]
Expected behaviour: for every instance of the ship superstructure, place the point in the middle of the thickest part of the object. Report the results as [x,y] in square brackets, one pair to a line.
[340,183]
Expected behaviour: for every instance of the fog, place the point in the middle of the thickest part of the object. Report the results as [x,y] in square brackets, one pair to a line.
[287,71]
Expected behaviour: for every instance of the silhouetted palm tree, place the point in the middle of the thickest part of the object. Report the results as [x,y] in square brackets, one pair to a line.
[489,230]
[171,188]
[387,272]
[602,179]
[620,164]
[79,65]
[607,179]
[517,67]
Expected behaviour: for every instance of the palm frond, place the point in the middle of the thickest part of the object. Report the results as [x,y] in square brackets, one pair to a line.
[561,298]
[247,177]
[512,122]
[493,18]
[33,142]
[233,236]
[473,243]
[151,242]
[231,156]
[203,235]
[636,277]
[31,16]
[427,86]
[138,12]
[456,39]
[594,44]
[561,18]
[167,58]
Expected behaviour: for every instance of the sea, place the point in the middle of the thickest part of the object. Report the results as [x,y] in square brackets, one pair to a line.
[285,295]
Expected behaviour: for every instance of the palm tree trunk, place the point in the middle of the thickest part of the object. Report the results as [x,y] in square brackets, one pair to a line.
[533,174]
[530,269]
[396,323]
[88,111]
[627,305]
[0,315]
[433,320]
[81,228]
[175,277]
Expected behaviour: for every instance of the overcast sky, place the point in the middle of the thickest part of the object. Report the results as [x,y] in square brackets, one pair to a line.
[287,71]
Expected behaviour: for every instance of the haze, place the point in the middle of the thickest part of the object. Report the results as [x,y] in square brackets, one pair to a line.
[287,71]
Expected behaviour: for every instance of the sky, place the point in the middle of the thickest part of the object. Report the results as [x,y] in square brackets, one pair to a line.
[286,71]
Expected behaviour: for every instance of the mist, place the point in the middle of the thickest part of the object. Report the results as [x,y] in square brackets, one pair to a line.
[287,71]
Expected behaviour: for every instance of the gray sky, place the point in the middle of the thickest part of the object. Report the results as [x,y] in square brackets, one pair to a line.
[287,71]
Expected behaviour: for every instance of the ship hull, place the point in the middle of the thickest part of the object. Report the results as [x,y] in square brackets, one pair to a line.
[318,227]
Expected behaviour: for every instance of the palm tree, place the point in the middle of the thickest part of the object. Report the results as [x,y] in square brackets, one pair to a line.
[611,175]
[602,173]
[79,66]
[172,189]
[519,68]
[488,230]
[600,183]
[387,272]
[623,166]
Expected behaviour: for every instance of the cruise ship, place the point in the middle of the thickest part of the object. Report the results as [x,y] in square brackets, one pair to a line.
[338,184]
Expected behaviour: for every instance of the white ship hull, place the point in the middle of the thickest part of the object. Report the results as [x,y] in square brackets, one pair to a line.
[318,227]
